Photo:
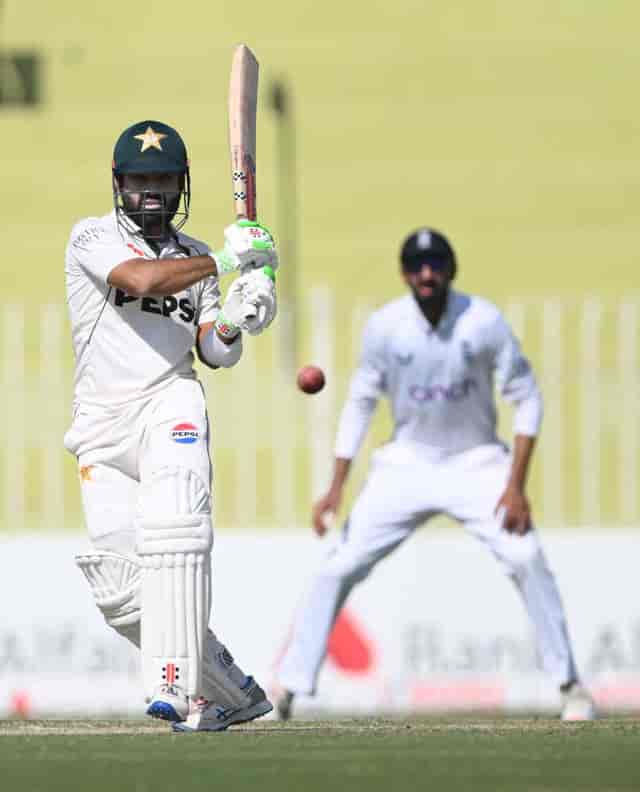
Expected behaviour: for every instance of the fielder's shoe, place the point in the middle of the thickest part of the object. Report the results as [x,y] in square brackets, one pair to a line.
[578,705]
[205,716]
[284,704]
[168,703]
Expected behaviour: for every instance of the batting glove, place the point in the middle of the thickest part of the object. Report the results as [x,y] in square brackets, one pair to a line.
[260,302]
[250,304]
[247,246]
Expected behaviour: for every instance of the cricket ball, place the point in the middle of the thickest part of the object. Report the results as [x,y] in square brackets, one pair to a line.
[310,379]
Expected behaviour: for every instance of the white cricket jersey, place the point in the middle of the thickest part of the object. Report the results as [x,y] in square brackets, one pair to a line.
[128,347]
[440,381]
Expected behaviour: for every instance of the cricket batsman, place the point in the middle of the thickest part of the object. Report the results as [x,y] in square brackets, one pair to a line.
[142,295]
[436,354]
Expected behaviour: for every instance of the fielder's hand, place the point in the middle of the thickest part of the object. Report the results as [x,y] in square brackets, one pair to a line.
[247,246]
[250,304]
[324,511]
[516,512]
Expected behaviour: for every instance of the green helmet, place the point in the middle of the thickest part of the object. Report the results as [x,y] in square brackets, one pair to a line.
[151,147]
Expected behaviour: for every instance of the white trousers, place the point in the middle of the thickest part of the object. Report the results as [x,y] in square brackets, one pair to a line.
[402,491]
[118,451]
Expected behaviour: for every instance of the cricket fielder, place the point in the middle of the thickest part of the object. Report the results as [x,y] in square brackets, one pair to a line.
[141,295]
[435,354]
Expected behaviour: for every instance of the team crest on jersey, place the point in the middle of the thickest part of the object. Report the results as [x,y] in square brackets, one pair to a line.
[185,433]
[467,353]
[403,360]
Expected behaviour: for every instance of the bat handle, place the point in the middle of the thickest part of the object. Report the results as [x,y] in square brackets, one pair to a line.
[245,215]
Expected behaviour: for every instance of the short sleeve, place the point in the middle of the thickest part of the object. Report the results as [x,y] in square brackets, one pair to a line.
[97,250]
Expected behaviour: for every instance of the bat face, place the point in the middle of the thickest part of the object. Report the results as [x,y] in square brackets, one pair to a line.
[243,97]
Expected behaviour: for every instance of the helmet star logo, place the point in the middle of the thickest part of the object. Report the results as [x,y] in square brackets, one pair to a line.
[150,139]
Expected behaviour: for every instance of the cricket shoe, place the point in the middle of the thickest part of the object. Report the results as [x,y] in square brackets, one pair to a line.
[168,703]
[578,705]
[209,717]
[284,704]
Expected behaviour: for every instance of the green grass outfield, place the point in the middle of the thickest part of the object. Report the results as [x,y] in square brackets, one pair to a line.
[475,753]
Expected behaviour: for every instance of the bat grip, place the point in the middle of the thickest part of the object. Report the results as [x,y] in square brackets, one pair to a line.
[250,314]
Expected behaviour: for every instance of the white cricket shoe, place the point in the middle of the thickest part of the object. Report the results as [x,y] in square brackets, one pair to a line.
[169,703]
[578,705]
[206,716]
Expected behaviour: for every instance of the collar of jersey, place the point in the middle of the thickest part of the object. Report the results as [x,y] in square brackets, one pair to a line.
[125,223]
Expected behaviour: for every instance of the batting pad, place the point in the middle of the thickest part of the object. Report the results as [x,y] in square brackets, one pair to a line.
[115,583]
[175,552]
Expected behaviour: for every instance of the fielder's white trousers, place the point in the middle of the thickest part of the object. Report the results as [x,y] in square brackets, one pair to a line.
[403,490]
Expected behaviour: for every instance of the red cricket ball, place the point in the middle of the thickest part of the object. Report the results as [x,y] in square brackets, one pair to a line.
[310,379]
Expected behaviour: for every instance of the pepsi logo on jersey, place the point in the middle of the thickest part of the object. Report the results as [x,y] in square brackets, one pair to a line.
[161,306]
[185,433]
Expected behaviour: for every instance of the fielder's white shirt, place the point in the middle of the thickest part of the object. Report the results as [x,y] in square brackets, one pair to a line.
[128,347]
[439,381]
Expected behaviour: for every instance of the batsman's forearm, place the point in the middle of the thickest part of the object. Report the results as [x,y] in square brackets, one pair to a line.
[174,275]
[523,446]
[159,277]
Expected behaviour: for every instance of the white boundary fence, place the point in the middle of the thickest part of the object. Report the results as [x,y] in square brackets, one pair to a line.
[428,647]
[273,446]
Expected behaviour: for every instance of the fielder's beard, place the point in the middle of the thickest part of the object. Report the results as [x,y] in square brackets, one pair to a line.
[437,299]
[435,304]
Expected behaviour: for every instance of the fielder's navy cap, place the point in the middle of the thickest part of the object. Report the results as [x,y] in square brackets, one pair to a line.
[427,244]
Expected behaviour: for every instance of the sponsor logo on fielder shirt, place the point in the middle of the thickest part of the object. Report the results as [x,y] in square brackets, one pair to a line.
[185,433]
[453,392]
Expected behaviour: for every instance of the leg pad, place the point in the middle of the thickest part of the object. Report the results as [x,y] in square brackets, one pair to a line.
[115,583]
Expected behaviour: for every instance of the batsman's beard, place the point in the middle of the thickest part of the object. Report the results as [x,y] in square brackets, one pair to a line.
[155,213]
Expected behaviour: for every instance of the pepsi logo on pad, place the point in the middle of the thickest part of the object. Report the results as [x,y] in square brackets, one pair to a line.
[185,433]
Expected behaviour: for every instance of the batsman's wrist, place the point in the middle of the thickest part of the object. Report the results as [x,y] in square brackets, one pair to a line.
[226,262]
[228,330]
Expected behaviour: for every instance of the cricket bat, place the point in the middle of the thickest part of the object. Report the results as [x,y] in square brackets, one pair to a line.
[243,101]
